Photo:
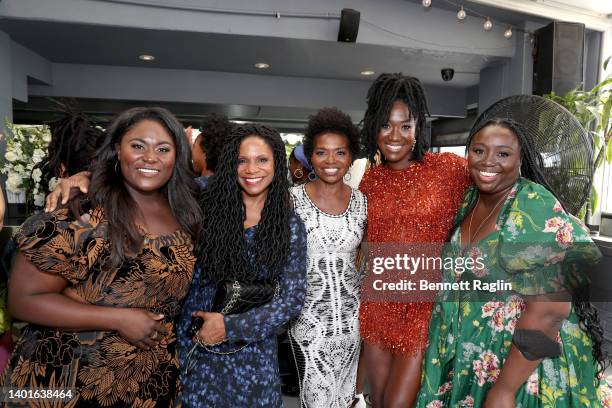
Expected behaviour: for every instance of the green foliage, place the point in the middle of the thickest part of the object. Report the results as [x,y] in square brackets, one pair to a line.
[593,109]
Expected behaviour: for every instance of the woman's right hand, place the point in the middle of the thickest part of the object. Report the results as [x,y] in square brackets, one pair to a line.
[140,327]
[66,189]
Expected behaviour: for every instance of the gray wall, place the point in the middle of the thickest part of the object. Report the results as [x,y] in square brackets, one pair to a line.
[6,84]
[510,77]
[25,65]
[260,91]
[6,92]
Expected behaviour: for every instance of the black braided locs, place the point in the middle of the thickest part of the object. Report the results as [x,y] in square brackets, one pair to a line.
[531,169]
[589,320]
[215,129]
[222,250]
[74,140]
[385,90]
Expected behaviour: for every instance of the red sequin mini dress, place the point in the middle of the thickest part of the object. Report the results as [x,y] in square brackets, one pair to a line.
[414,205]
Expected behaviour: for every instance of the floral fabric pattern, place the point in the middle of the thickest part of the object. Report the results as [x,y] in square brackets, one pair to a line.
[103,368]
[469,339]
[250,376]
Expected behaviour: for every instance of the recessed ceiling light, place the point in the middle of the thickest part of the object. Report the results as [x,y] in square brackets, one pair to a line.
[262,65]
[367,72]
[146,57]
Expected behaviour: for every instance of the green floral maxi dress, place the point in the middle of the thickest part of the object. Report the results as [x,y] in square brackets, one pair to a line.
[538,248]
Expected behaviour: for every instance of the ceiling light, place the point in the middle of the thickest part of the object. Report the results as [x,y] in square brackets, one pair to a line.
[367,72]
[146,57]
[426,3]
[488,25]
[508,33]
[461,15]
[262,65]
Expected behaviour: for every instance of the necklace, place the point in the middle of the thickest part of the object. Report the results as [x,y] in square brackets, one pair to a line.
[479,227]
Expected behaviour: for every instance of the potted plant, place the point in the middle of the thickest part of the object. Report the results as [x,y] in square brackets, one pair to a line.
[593,110]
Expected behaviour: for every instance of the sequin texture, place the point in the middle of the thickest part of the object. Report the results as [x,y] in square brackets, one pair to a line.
[414,205]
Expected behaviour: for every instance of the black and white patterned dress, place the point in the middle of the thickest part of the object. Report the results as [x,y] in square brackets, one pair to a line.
[325,336]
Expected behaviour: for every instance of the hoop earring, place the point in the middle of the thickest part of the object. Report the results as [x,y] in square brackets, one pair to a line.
[347,179]
[298,173]
[116,163]
[312,176]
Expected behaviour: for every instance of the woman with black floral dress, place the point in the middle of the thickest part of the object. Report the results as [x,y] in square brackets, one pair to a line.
[100,283]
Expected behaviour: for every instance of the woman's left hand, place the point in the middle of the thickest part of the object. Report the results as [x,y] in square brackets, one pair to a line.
[499,398]
[213,329]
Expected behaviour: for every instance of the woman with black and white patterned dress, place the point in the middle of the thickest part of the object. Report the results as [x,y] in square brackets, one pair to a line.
[325,336]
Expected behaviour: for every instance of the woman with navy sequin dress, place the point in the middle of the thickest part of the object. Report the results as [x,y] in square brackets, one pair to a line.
[250,233]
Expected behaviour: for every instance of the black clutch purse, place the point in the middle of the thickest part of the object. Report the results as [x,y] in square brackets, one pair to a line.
[234,297]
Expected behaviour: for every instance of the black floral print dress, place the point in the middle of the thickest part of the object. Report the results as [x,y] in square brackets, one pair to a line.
[103,368]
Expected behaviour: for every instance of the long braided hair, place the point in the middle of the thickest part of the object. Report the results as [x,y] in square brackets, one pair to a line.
[74,140]
[223,250]
[531,168]
[387,89]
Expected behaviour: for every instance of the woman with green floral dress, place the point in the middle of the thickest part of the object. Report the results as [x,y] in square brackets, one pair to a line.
[524,237]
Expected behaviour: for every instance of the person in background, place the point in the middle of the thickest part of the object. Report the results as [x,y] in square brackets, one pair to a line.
[412,196]
[100,282]
[299,166]
[75,137]
[251,235]
[325,336]
[208,144]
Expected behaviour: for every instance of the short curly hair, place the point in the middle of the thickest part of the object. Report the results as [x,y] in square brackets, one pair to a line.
[335,121]
[215,129]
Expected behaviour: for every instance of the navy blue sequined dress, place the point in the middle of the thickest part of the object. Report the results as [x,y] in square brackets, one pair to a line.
[248,378]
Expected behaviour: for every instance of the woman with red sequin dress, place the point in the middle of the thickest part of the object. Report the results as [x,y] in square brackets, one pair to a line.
[413,196]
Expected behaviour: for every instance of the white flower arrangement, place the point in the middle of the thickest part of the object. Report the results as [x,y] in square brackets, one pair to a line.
[26,146]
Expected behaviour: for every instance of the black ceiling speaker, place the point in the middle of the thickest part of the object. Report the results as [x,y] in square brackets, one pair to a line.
[349,25]
[558,58]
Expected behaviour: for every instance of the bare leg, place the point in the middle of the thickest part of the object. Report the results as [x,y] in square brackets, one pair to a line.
[361,374]
[403,382]
[378,367]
